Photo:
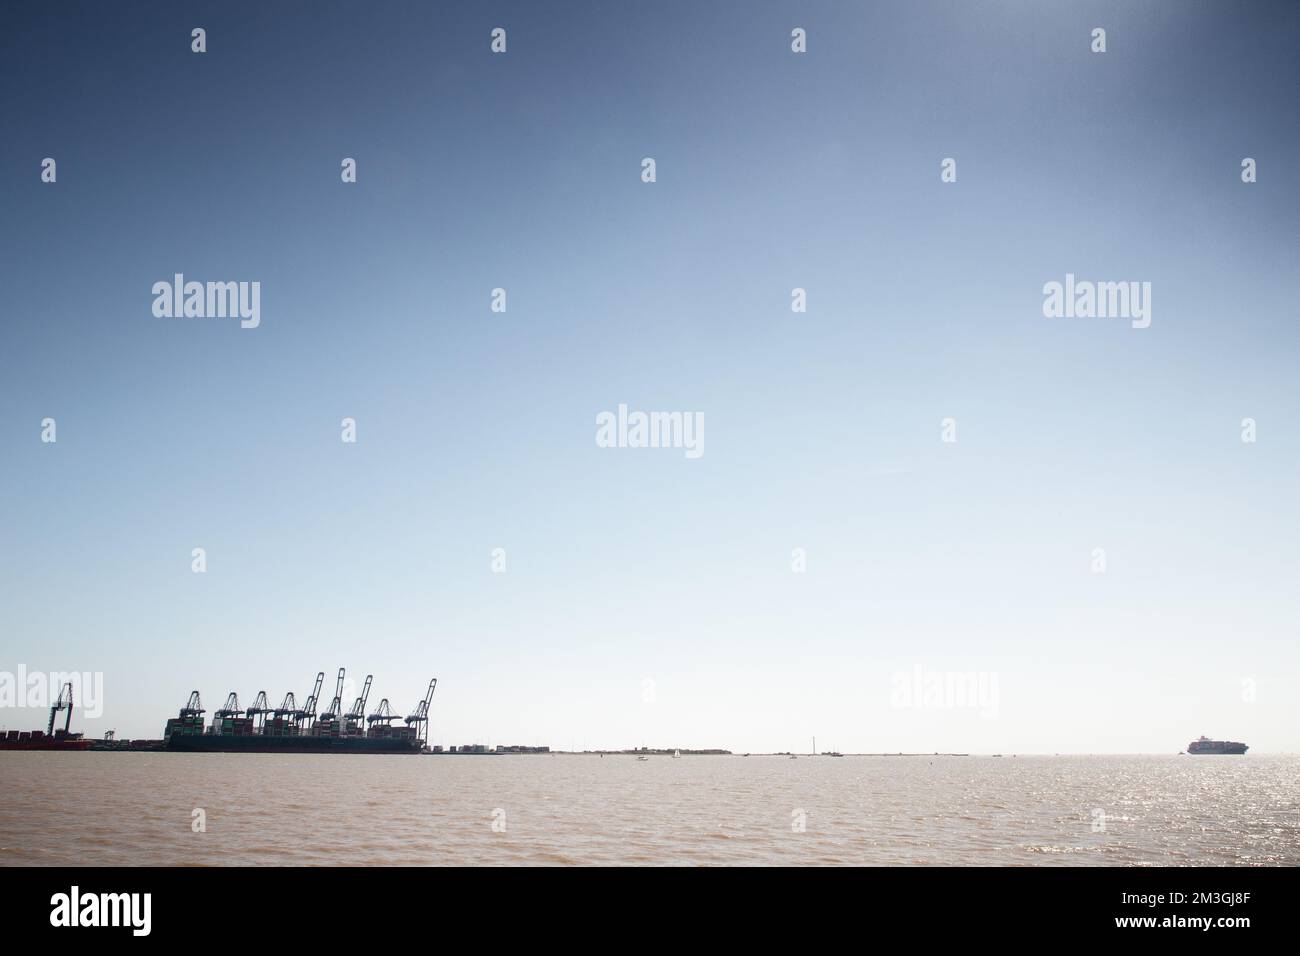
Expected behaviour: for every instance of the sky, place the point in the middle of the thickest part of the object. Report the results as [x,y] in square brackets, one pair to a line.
[649,598]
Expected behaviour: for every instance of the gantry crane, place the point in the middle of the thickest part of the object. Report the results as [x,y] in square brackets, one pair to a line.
[288,707]
[357,714]
[229,710]
[336,705]
[260,708]
[63,703]
[382,715]
[309,709]
[420,717]
[193,707]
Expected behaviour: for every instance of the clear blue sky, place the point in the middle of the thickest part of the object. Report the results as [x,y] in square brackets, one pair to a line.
[476,430]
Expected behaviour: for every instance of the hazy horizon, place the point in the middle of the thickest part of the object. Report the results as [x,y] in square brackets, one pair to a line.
[650,597]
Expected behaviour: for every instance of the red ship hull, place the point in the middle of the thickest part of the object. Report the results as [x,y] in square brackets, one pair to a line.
[47,743]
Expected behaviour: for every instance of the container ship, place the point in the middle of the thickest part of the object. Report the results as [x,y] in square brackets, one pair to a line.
[51,738]
[291,729]
[1204,745]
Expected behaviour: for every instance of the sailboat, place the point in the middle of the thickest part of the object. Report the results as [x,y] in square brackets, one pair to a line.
[676,754]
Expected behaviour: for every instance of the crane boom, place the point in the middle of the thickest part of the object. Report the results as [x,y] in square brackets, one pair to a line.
[63,703]
[420,717]
[336,705]
[357,713]
[309,708]
[383,713]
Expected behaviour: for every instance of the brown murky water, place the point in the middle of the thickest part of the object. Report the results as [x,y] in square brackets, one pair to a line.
[129,809]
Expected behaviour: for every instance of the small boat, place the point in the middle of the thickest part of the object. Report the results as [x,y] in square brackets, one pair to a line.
[642,758]
[676,754]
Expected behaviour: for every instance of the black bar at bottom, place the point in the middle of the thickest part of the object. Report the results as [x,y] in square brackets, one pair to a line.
[219,904]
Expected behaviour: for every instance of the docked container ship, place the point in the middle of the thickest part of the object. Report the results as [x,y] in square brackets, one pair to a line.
[1204,745]
[290,728]
[52,738]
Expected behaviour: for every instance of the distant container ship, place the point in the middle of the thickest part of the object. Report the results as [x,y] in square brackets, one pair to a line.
[1204,745]
[293,729]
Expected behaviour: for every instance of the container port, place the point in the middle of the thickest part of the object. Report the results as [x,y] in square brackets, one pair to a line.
[260,728]
[291,728]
